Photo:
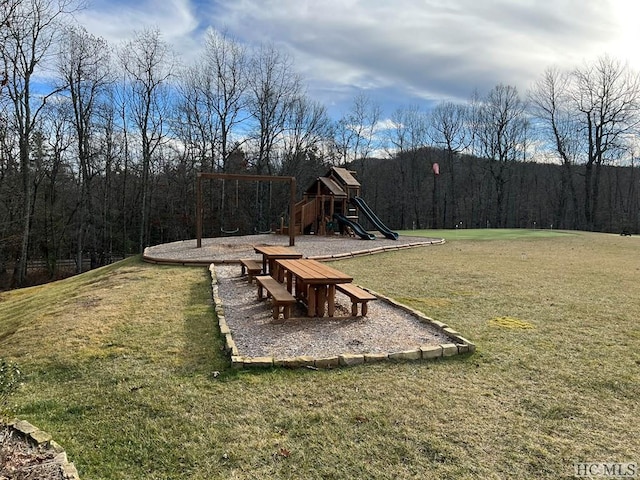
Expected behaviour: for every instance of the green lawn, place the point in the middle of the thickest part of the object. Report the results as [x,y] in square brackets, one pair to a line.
[124,368]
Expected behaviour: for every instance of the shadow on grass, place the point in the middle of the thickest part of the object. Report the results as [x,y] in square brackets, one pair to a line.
[204,346]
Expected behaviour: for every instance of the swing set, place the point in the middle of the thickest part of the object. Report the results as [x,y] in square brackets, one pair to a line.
[222,202]
[239,177]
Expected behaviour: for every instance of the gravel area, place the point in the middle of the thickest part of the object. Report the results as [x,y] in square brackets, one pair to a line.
[230,249]
[386,329]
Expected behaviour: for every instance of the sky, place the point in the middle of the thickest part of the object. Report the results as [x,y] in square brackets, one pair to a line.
[399,53]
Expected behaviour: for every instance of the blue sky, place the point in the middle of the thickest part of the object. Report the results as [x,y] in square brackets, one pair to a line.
[398,52]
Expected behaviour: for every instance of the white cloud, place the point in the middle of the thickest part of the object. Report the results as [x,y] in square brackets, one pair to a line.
[431,47]
[117,21]
[401,51]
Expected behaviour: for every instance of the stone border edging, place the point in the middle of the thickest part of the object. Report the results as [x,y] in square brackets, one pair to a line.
[41,438]
[371,251]
[458,344]
[338,256]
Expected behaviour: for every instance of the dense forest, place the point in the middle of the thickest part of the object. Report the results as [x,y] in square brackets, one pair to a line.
[100,145]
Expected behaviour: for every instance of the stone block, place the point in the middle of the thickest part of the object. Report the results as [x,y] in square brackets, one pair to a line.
[431,351]
[350,359]
[375,357]
[439,324]
[261,362]
[24,427]
[471,347]
[230,345]
[237,361]
[451,332]
[328,362]
[70,471]
[296,362]
[406,355]
[56,447]
[61,458]
[40,437]
[449,349]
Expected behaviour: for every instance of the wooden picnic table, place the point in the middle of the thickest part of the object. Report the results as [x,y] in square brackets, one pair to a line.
[271,253]
[315,283]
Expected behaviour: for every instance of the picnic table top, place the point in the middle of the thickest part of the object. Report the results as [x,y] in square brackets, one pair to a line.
[277,251]
[312,271]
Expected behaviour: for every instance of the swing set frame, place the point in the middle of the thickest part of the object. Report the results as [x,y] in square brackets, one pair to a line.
[249,178]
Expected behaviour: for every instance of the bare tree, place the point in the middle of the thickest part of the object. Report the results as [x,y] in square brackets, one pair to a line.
[355,131]
[84,66]
[274,88]
[214,97]
[56,205]
[29,32]
[605,98]
[551,105]
[227,60]
[407,141]
[149,65]
[449,130]
[308,127]
[501,133]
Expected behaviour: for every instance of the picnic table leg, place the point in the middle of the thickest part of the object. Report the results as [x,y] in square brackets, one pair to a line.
[311,301]
[301,290]
[322,299]
[264,265]
[289,277]
[331,300]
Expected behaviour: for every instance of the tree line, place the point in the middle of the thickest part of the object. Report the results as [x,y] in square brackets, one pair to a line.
[100,144]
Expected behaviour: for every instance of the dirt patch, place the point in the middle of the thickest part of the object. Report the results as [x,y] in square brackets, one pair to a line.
[22,458]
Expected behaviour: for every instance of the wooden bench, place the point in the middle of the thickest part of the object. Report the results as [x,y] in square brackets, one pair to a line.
[280,297]
[357,295]
[251,267]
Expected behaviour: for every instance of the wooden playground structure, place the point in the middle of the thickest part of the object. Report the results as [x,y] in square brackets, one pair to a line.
[330,205]
[327,196]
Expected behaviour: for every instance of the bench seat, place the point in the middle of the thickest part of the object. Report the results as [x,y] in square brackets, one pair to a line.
[357,295]
[251,267]
[280,297]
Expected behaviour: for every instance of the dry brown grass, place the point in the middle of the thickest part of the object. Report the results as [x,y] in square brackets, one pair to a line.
[120,369]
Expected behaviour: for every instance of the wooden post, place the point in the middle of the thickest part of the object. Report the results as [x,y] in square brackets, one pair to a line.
[292,213]
[199,210]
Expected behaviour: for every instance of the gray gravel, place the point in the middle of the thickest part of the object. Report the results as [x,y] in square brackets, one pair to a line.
[385,329]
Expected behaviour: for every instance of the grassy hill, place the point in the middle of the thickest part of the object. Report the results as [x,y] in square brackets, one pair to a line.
[123,366]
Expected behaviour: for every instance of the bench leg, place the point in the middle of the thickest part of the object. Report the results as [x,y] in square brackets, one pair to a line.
[354,309]
[364,309]
[331,300]
[275,311]
[259,291]
[321,300]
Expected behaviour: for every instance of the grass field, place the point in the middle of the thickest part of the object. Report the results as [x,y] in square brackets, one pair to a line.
[124,368]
